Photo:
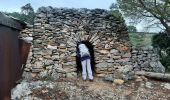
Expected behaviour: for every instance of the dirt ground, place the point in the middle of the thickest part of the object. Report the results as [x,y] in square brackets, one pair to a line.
[77,89]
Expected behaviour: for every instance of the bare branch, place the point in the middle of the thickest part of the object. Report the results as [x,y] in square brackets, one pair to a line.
[146,15]
[147,9]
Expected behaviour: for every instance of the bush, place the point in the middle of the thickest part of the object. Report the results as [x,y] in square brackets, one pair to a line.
[162,42]
[117,14]
[131,28]
[27,18]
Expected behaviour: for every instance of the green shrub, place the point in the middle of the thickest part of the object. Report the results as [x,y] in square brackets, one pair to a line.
[117,14]
[162,42]
[27,18]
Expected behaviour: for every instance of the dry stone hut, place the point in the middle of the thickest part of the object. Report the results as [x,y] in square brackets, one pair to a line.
[55,37]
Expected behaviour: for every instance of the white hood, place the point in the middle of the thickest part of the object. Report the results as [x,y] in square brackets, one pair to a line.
[83,49]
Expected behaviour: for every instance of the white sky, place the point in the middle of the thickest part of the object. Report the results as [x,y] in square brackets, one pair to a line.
[15,5]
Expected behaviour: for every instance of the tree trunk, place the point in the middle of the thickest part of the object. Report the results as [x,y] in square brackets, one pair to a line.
[167,28]
[152,75]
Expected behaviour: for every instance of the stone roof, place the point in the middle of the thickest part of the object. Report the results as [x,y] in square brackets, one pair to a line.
[11,22]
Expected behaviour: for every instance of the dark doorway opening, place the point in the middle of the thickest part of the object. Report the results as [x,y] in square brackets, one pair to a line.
[91,50]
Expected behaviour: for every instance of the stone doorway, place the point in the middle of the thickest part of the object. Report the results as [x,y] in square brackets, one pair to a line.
[57,33]
[91,50]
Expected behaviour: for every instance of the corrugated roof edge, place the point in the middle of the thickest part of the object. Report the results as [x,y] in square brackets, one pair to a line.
[12,22]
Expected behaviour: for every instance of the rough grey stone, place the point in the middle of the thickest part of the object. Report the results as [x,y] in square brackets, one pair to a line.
[99,65]
[167,86]
[21,91]
[149,85]
[157,67]
[124,72]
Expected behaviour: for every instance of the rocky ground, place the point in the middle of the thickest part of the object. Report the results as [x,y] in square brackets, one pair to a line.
[76,89]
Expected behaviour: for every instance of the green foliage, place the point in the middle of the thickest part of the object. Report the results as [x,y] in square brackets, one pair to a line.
[27,14]
[166,62]
[132,28]
[155,12]
[162,42]
[27,18]
[27,9]
[140,39]
[117,14]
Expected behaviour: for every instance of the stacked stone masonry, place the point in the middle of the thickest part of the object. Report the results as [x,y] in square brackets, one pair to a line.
[56,33]
[146,59]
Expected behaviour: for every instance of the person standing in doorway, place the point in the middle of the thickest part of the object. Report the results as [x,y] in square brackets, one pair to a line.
[85,58]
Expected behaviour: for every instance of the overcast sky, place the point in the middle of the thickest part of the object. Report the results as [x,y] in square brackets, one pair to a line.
[15,5]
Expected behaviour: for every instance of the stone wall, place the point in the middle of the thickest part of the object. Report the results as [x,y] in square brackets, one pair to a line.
[27,35]
[146,59]
[57,31]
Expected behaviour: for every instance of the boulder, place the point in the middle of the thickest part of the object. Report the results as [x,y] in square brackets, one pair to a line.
[124,72]
[157,67]
[21,90]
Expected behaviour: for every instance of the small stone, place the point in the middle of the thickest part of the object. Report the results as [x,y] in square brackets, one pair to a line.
[167,86]
[108,78]
[67,70]
[100,75]
[34,74]
[127,55]
[62,50]
[40,59]
[134,51]
[48,62]
[45,91]
[114,51]
[51,47]
[101,65]
[149,85]
[144,78]
[139,80]
[125,49]
[38,65]
[71,75]
[116,57]
[104,51]
[47,57]
[118,81]
[62,46]
[43,74]
[28,39]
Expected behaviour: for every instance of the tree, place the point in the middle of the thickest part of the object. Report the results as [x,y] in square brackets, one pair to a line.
[117,14]
[156,12]
[27,14]
[162,43]
[19,16]
[132,28]
[27,9]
